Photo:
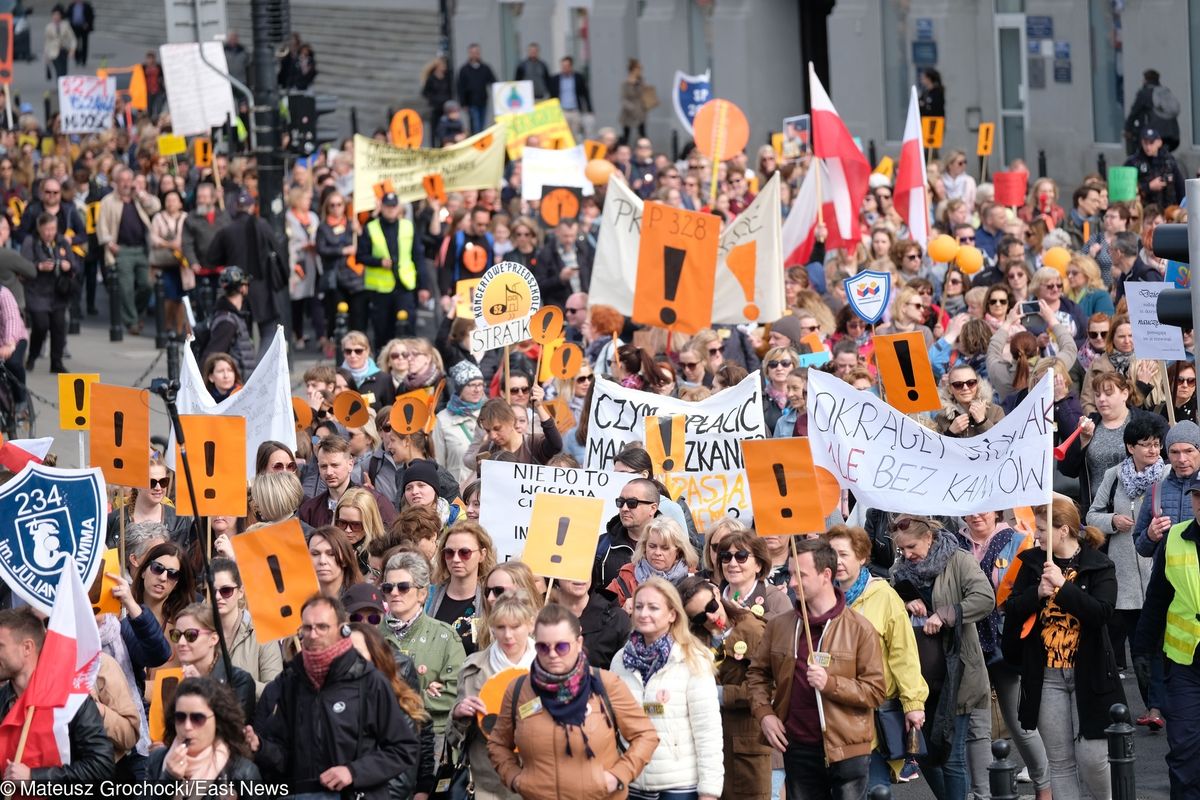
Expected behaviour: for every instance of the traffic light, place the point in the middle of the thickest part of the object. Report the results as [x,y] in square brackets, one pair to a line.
[305,133]
[1171,243]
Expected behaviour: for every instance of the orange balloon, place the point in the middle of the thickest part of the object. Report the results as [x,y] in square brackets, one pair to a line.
[943,249]
[969,259]
[720,129]
[598,170]
[1057,257]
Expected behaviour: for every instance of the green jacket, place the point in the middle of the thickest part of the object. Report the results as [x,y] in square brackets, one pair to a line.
[438,654]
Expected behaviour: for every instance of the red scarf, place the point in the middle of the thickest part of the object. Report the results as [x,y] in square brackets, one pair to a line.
[316,664]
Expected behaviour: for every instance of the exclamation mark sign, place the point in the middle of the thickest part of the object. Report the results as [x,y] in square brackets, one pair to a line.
[210,468]
[277,576]
[564,523]
[408,410]
[664,431]
[119,436]
[673,258]
[781,483]
[904,357]
[78,385]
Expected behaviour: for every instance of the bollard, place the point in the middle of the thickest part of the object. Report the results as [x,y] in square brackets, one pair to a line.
[160,312]
[880,792]
[1041,163]
[1002,773]
[674,145]
[116,331]
[871,155]
[1121,757]
[341,322]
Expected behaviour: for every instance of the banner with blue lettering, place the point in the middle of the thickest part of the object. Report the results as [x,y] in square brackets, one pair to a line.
[688,94]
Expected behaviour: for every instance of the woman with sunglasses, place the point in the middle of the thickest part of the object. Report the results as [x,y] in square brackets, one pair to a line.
[954,292]
[967,407]
[261,662]
[164,582]
[957,179]
[716,533]
[1119,357]
[1086,288]
[527,242]
[221,376]
[662,551]
[945,594]
[465,557]
[334,561]
[356,355]
[432,644]
[392,379]
[1181,376]
[198,652]
[671,672]
[357,516]
[733,634]
[274,456]
[874,598]
[335,243]
[205,737]
[996,305]
[744,564]
[909,312]
[151,504]
[505,579]
[1047,287]
[510,625]
[1096,347]
[457,423]
[575,390]
[777,364]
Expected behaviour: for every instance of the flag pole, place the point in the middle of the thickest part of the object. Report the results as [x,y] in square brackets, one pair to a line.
[24,738]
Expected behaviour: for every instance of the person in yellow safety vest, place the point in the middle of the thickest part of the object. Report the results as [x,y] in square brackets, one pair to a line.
[1171,615]
[392,257]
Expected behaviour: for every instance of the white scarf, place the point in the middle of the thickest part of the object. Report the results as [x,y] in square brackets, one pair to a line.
[498,662]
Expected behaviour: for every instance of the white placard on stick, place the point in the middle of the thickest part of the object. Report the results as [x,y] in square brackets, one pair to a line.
[86,103]
[197,94]
[1152,339]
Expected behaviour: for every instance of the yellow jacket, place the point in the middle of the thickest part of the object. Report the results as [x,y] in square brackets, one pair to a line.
[902,678]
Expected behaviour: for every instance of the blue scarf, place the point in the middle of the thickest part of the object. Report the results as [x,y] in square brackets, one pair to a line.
[855,590]
[642,570]
[647,659]
[462,408]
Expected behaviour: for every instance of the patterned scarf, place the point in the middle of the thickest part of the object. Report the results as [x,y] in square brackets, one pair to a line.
[855,590]
[462,408]
[989,631]
[647,659]
[398,626]
[1120,361]
[316,663]
[565,697]
[1137,483]
[643,570]
[924,572]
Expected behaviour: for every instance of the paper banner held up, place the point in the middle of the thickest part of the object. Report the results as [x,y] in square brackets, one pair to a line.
[790,495]
[563,532]
[906,372]
[542,168]
[546,121]
[474,163]
[278,575]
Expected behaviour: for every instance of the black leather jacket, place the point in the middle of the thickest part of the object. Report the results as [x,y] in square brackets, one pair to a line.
[91,751]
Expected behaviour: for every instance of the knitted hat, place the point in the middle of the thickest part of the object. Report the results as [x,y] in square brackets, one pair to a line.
[789,326]
[421,470]
[1184,432]
[463,373]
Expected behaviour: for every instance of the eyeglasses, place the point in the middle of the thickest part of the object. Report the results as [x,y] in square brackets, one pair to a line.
[1052,285]
[51,191]
[689,364]
[354,351]
[912,257]
[998,301]
[196,718]
[374,618]
[402,587]
[632,502]
[160,483]
[918,304]
[905,524]
[970,383]
[809,328]
[702,617]
[158,568]
[584,378]
[570,310]
[463,553]
[741,555]
[1186,381]
[965,239]
[519,389]
[190,635]
[350,526]
[544,648]
[321,628]
[1097,334]
[494,591]
[776,364]
[396,355]
[953,281]
[714,351]
[227,591]
[283,466]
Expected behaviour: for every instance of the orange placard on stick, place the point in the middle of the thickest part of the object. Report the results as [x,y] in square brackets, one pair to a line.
[166,681]
[664,437]
[789,494]
[410,412]
[75,400]
[302,413]
[720,129]
[933,130]
[435,187]
[559,203]
[546,325]
[677,265]
[216,448]
[407,130]
[120,426]
[986,140]
[202,152]
[566,361]
[563,530]
[564,418]
[906,372]
[593,149]
[278,575]
[6,41]
[351,409]
[474,258]
[101,595]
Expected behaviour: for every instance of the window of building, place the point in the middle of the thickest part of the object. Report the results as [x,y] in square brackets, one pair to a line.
[700,36]
[1108,71]
[1194,54]
[898,74]
[510,38]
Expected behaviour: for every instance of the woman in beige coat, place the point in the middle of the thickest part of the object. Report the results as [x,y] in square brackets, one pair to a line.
[633,102]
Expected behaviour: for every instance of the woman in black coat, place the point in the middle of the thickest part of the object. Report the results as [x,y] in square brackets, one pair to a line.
[1056,632]
[205,737]
[48,292]
[438,89]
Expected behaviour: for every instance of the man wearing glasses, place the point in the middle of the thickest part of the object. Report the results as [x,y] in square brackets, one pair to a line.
[575,314]
[637,504]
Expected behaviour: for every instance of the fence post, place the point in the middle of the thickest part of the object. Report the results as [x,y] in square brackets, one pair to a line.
[871,154]
[1102,165]
[1121,757]
[1002,773]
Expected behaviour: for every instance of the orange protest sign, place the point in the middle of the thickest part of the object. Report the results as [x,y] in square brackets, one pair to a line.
[410,413]
[216,448]
[435,187]
[1025,519]
[278,575]
[351,409]
[566,361]
[593,149]
[6,48]
[933,130]
[406,129]
[202,152]
[120,426]
[906,372]
[676,242]
[665,443]
[721,130]
[474,258]
[564,418]
[987,137]
[546,325]
[75,400]
[464,292]
[563,530]
[492,695]
[302,412]
[559,203]
[166,681]
[101,595]
[789,494]
[91,217]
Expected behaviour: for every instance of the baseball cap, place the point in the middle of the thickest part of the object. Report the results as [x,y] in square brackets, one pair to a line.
[245,200]
[390,199]
[1150,134]
[361,596]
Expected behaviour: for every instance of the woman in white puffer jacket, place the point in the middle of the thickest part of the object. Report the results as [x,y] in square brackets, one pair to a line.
[671,672]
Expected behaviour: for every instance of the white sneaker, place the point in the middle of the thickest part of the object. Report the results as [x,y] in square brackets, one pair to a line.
[1023,776]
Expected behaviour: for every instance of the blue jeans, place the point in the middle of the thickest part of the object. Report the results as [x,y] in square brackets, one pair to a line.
[477,114]
[948,781]
[880,774]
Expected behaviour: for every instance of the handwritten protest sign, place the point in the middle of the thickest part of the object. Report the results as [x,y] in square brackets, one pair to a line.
[711,496]
[199,95]
[893,463]
[1152,339]
[474,163]
[503,302]
[506,504]
[86,103]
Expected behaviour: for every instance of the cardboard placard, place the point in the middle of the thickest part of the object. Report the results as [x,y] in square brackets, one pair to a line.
[410,413]
[464,291]
[278,575]
[1010,188]
[474,258]
[566,361]
[92,214]
[101,595]
[1122,184]
[720,130]
[593,149]
[564,418]
[676,242]
[818,354]
[216,448]
[351,409]
[559,203]
[789,494]
[170,144]
[406,129]
[202,152]
[302,412]
[75,400]
[435,187]
[665,443]
[162,691]
[546,325]
[933,130]
[120,440]
[492,695]
[906,372]
[986,140]
[563,532]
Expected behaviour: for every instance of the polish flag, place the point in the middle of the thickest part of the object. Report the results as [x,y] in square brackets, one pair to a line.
[848,169]
[800,228]
[911,194]
[61,681]
[16,453]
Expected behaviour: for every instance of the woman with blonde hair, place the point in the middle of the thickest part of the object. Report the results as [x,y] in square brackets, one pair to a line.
[510,577]
[957,179]
[777,365]
[1086,288]
[357,516]
[663,551]
[356,353]
[967,407]
[276,496]
[392,376]
[908,314]
[464,557]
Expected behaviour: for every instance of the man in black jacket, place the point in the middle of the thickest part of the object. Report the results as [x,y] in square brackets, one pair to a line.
[564,265]
[571,89]
[248,242]
[475,79]
[228,331]
[334,724]
[535,70]
[21,638]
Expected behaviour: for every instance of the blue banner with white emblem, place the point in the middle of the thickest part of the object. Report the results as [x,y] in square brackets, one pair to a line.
[47,514]
[688,94]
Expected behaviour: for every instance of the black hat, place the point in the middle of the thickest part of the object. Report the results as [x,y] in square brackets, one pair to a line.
[1149,135]
[421,470]
[362,595]
[390,199]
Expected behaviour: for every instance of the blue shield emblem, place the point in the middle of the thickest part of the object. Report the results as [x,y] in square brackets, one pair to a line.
[868,294]
[47,514]
[688,94]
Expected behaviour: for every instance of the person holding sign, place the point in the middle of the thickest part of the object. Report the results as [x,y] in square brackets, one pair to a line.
[499,423]
[261,661]
[967,408]
[821,715]
[196,650]
[205,737]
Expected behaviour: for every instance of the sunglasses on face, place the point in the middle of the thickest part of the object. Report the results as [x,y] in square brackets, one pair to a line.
[398,354]
[403,587]
[544,648]
[283,466]
[965,239]
[714,351]
[190,635]
[196,718]
[702,617]
[519,390]
[584,378]
[1097,334]
[495,591]
[971,383]
[953,282]
[741,555]
[997,301]
[160,483]
[1186,381]
[159,568]
[777,364]
[912,257]
[632,502]
[463,553]
[689,364]
[1053,285]
[354,351]
[350,526]
[374,618]
[227,591]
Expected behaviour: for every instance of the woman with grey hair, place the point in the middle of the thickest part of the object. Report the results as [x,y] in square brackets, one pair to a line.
[139,538]
[432,645]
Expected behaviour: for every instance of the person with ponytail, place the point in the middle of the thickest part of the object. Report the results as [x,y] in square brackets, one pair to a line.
[634,368]
[1055,630]
[1014,352]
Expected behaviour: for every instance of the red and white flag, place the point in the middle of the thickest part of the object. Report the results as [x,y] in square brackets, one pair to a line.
[911,194]
[63,678]
[16,453]
[848,169]
[799,230]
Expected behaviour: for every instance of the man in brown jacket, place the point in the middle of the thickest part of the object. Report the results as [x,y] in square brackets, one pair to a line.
[818,712]
[564,719]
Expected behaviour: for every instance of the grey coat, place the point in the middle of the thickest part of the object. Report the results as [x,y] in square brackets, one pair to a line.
[1133,570]
[963,584]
